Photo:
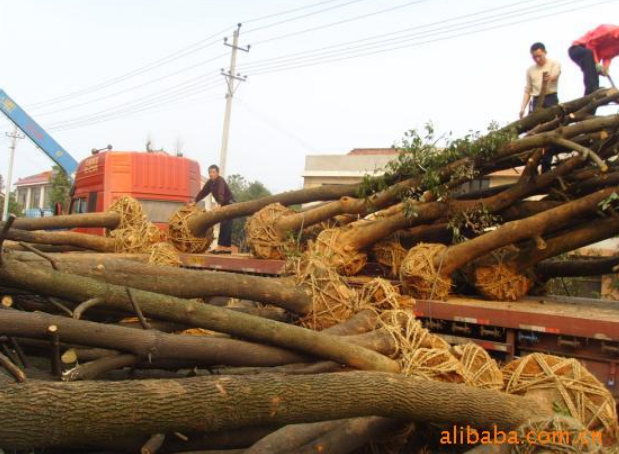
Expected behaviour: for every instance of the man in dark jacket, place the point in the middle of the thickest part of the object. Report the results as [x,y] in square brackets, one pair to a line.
[217,186]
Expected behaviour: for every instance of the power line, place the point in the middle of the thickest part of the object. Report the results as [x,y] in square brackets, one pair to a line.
[134,87]
[294,10]
[375,37]
[142,69]
[154,98]
[149,110]
[183,52]
[344,21]
[339,58]
[304,16]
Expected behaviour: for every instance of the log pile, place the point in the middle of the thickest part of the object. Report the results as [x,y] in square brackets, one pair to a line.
[107,344]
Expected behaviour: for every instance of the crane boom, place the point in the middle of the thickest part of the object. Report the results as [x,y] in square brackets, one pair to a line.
[37,134]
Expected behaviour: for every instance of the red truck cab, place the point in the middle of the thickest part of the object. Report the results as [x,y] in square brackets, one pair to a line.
[160,182]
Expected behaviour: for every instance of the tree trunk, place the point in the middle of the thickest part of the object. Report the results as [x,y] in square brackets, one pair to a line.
[200,224]
[589,233]
[81,240]
[78,288]
[108,220]
[358,237]
[354,434]
[289,438]
[78,413]
[182,282]
[150,344]
[457,256]
[549,269]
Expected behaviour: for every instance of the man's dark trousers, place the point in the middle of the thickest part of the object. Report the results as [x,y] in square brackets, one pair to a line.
[550,100]
[583,57]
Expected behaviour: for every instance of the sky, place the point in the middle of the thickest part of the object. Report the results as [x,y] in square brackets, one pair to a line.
[323,76]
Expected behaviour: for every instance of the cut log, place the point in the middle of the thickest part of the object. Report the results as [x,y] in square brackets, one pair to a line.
[150,344]
[354,434]
[108,220]
[199,225]
[78,288]
[80,240]
[290,438]
[512,232]
[121,409]
[185,283]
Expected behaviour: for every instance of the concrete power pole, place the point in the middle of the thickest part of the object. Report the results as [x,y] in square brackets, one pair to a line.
[233,80]
[14,136]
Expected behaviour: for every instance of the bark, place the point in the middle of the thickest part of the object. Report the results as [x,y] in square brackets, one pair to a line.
[81,240]
[122,409]
[512,232]
[354,434]
[200,224]
[78,288]
[357,237]
[186,283]
[548,269]
[94,369]
[151,344]
[107,220]
[560,110]
[573,239]
[289,438]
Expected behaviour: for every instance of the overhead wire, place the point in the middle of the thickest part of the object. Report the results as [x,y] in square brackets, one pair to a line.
[319,61]
[171,57]
[340,22]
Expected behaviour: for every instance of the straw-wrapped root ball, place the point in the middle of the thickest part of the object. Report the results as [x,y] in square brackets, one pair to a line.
[563,385]
[262,236]
[345,259]
[420,275]
[180,234]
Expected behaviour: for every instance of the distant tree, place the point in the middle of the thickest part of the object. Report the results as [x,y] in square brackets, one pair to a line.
[179,143]
[15,207]
[61,185]
[243,191]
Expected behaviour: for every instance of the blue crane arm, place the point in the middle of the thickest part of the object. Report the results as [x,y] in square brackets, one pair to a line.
[38,135]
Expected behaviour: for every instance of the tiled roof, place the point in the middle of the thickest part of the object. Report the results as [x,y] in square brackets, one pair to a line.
[372,151]
[39,178]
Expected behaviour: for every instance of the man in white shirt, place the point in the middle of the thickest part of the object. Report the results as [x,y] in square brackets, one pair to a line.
[544,70]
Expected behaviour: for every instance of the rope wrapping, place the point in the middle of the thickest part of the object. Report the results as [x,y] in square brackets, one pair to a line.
[566,385]
[419,277]
[390,253]
[480,370]
[263,239]
[164,253]
[180,235]
[344,259]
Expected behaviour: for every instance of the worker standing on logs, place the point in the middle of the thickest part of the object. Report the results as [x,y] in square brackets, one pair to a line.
[217,186]
[593,54]
[541,88]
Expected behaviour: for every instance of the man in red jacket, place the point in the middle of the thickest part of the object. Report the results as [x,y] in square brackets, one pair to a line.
[594,52]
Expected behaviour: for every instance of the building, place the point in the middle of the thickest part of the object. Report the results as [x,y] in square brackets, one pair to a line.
[345,169]
[350,168]
[34,192]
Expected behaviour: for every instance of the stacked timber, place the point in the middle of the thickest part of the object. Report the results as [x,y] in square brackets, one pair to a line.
[107,344]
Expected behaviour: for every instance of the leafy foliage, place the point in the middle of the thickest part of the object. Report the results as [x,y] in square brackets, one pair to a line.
[470,223]
[426,157]
[244,191]
[14,207]
[61,185]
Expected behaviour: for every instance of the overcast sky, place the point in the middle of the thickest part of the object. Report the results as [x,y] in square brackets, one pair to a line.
[324,76]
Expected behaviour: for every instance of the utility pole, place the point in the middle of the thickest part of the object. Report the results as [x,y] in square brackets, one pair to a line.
[233,80]
[14,136]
